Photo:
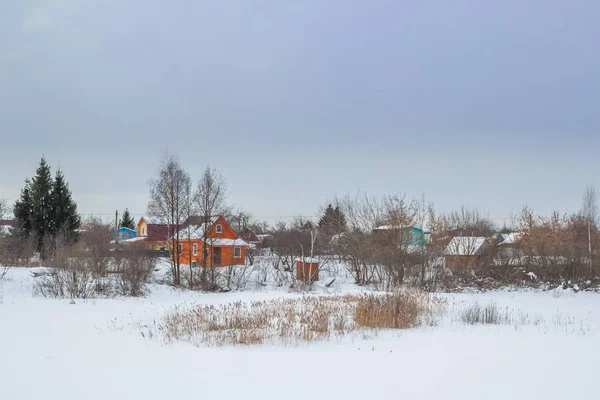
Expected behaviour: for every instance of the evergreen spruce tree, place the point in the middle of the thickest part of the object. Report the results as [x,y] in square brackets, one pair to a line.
[65,217]
[340,219]
[333,221]
[127,220]
[22,210]
[46,208]
[41,217]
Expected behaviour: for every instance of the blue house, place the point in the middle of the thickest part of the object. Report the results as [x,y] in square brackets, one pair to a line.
[408,236]
[124,233]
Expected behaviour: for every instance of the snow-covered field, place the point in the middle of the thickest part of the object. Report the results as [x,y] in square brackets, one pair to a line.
[53,349]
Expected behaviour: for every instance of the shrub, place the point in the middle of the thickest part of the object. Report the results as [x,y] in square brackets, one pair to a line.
[134,268]
[476,314]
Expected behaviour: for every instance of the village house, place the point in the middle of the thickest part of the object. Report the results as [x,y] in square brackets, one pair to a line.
[250,237]
[215,244]
[509,247]
[154,236]
[123,233]
[468,252]
[5,226]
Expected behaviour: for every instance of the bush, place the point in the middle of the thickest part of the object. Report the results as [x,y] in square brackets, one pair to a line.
[73,280]
[476,314]
[134,268]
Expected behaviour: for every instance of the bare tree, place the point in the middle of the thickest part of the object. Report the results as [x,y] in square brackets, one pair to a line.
[379,244]
[189,211]
[240,220]
[210,202]
[95,239]
[468,222]
[168,204]
[6,211]
[590,212]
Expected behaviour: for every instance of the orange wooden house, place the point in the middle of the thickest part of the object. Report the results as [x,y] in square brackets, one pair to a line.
[223,245]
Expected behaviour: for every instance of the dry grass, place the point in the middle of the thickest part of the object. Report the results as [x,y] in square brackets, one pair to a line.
[476,314]
[292,321]
[402,310]
[491,314]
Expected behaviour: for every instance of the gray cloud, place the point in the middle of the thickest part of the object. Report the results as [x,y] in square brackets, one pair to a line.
[463,101]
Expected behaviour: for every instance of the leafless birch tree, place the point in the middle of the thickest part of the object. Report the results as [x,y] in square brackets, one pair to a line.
[5,209]
[168,204]
[210,202]
[590,212]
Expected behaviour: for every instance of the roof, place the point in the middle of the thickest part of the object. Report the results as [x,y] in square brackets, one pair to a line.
[510,238]
[194,220]
[307,260]
[193,232]
[124,228]
[5,226]
[464,245]
[130,240]
[250,236]
[197,232]
[226,242]
[159,232]
[394,227]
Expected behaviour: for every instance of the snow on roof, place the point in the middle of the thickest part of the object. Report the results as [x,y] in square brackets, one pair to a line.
[132,240]
[193,232]
[383,228]
[196,232]
[395,227]
[464,245]
[511,238]
[226,242]
[415,249]
[307,260]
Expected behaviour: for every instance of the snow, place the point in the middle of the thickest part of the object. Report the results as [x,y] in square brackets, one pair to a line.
[196,232]
[511,238]
[464,245]
[53,349]
[310,260]
[226,242]
[132,240]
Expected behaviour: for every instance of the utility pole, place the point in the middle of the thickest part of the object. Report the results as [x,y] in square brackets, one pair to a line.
[117,226]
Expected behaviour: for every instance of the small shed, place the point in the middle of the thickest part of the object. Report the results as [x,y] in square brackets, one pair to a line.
[468,252]
[307,269]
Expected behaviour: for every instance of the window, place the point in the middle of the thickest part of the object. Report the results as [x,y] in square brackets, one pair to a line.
[206,252]
[237,252]
[219,228]
[194,264]
[195,249]
[179,248]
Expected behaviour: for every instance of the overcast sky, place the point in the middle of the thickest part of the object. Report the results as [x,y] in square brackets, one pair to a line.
[491,104]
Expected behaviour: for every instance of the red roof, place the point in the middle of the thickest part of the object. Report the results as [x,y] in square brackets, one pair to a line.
[249,236]
[159,232]
[6,222]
